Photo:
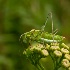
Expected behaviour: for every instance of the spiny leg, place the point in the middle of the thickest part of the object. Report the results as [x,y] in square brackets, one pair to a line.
[43,27]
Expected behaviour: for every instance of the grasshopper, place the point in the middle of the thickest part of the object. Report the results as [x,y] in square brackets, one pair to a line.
[42,36]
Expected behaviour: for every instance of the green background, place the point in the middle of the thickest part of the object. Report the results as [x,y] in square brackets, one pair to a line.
[19,16]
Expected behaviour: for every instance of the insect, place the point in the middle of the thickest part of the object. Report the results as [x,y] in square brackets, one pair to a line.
[41,36]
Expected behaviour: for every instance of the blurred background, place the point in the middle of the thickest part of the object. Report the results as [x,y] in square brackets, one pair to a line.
[19,16]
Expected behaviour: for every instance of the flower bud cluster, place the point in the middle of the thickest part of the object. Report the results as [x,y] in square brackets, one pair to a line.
[66,59]
[60,51]
[54,47]
[35,52]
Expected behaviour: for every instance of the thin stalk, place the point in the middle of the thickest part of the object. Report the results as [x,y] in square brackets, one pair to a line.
[56,67]
[52,60]
[42,68]
[58,64]
[37,67]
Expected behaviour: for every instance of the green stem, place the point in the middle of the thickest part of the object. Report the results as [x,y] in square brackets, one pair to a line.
[56,67]
[52,59]
[58,63]
[37,67]
[42,68]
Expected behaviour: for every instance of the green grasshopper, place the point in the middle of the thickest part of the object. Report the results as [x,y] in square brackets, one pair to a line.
[41,36]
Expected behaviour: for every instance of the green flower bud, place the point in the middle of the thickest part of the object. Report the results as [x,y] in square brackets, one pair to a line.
[40,46]
[67,56]
[37,47]
[65,51]
[64,46]
[57,53]
[54,48]
[54,44]
[47,46]
[65,63]
[45,52]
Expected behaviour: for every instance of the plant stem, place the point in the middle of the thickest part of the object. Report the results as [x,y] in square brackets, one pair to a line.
[58,63]
[56,67]
[52,59]
[42,68]
[37,67]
